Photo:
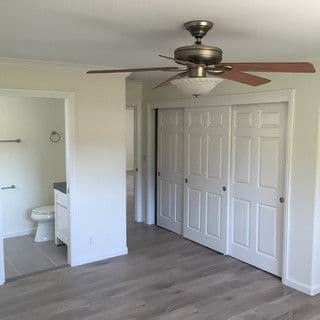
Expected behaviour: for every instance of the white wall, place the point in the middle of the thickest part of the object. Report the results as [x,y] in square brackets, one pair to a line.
[130,138]
[98,188]
[32,165]
[304,242]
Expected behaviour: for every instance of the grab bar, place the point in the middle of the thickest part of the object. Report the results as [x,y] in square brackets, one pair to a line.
[6,188]
[15,140]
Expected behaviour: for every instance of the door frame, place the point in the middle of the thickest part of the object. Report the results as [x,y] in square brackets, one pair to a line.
[287,96]
[137,118]
[69,111]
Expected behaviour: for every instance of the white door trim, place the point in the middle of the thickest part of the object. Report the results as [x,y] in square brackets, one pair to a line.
[69,98]
[224,100]
[137,161]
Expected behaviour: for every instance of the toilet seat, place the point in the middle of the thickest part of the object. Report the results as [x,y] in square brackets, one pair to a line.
[46,210]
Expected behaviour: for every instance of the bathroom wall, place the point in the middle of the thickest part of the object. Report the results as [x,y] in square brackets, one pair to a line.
[32,165]
[130,138]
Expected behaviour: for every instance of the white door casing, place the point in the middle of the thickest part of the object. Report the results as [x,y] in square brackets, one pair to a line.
[206,173]
[257,184]
[69,99]
[170,169]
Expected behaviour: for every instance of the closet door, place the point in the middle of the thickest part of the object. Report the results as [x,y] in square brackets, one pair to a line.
[206,174]
[258,162]
[170,169]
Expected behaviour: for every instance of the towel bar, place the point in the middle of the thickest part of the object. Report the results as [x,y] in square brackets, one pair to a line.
[15,140]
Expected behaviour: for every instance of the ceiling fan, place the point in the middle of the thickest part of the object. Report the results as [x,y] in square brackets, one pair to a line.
[200,60]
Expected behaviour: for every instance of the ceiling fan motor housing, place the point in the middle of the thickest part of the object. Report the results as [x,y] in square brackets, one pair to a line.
[199,53]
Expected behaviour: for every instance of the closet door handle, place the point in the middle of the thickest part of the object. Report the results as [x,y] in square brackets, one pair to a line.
[224,188]
[186,180]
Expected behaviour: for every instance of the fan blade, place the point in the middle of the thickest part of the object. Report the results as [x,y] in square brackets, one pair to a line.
[306,67]
[242,77]
[187,63]
[177,76]
[135,70]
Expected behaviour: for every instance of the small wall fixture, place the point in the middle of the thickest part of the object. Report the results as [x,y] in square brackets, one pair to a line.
[55,136]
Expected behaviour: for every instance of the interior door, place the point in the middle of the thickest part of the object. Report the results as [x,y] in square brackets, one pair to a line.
[206,173]
[258,162]
[170,169]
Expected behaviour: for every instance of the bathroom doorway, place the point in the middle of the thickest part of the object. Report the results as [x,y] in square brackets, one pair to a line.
[130,163]
[35,210]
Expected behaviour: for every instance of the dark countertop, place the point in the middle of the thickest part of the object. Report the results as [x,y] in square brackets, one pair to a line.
[60,186]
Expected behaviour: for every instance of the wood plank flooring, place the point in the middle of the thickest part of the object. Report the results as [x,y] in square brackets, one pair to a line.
[163,277]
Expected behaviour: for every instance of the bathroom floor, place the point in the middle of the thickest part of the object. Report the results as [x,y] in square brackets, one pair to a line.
[24,256]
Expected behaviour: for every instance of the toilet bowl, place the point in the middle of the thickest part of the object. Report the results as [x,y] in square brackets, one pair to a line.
[44,217]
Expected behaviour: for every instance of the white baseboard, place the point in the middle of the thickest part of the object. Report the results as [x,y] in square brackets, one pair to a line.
[19,233]
[315,290]
[2,273]
[302,287]
[95,258]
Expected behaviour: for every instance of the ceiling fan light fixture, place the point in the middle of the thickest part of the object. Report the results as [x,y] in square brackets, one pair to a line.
[196,86]
[199,60]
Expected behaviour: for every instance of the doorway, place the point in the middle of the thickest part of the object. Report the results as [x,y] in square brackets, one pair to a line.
[130,164]
[230,154]
[36,138]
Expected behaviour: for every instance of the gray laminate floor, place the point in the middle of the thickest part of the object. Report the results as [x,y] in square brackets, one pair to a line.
[24,256]
[163,277]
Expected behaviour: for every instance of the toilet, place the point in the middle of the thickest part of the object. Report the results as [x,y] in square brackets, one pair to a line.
[44,217]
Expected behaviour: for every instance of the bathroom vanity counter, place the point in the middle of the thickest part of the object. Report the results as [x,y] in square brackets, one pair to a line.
[60,186]
[62,214]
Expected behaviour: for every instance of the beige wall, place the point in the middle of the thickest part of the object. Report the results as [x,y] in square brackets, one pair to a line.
[98,194]
[304,246]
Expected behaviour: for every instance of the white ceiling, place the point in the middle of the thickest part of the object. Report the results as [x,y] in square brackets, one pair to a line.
[131,33]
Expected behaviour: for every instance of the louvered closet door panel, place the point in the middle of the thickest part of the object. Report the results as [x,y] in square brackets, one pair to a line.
[257,183]
[170,169]
[206,170]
